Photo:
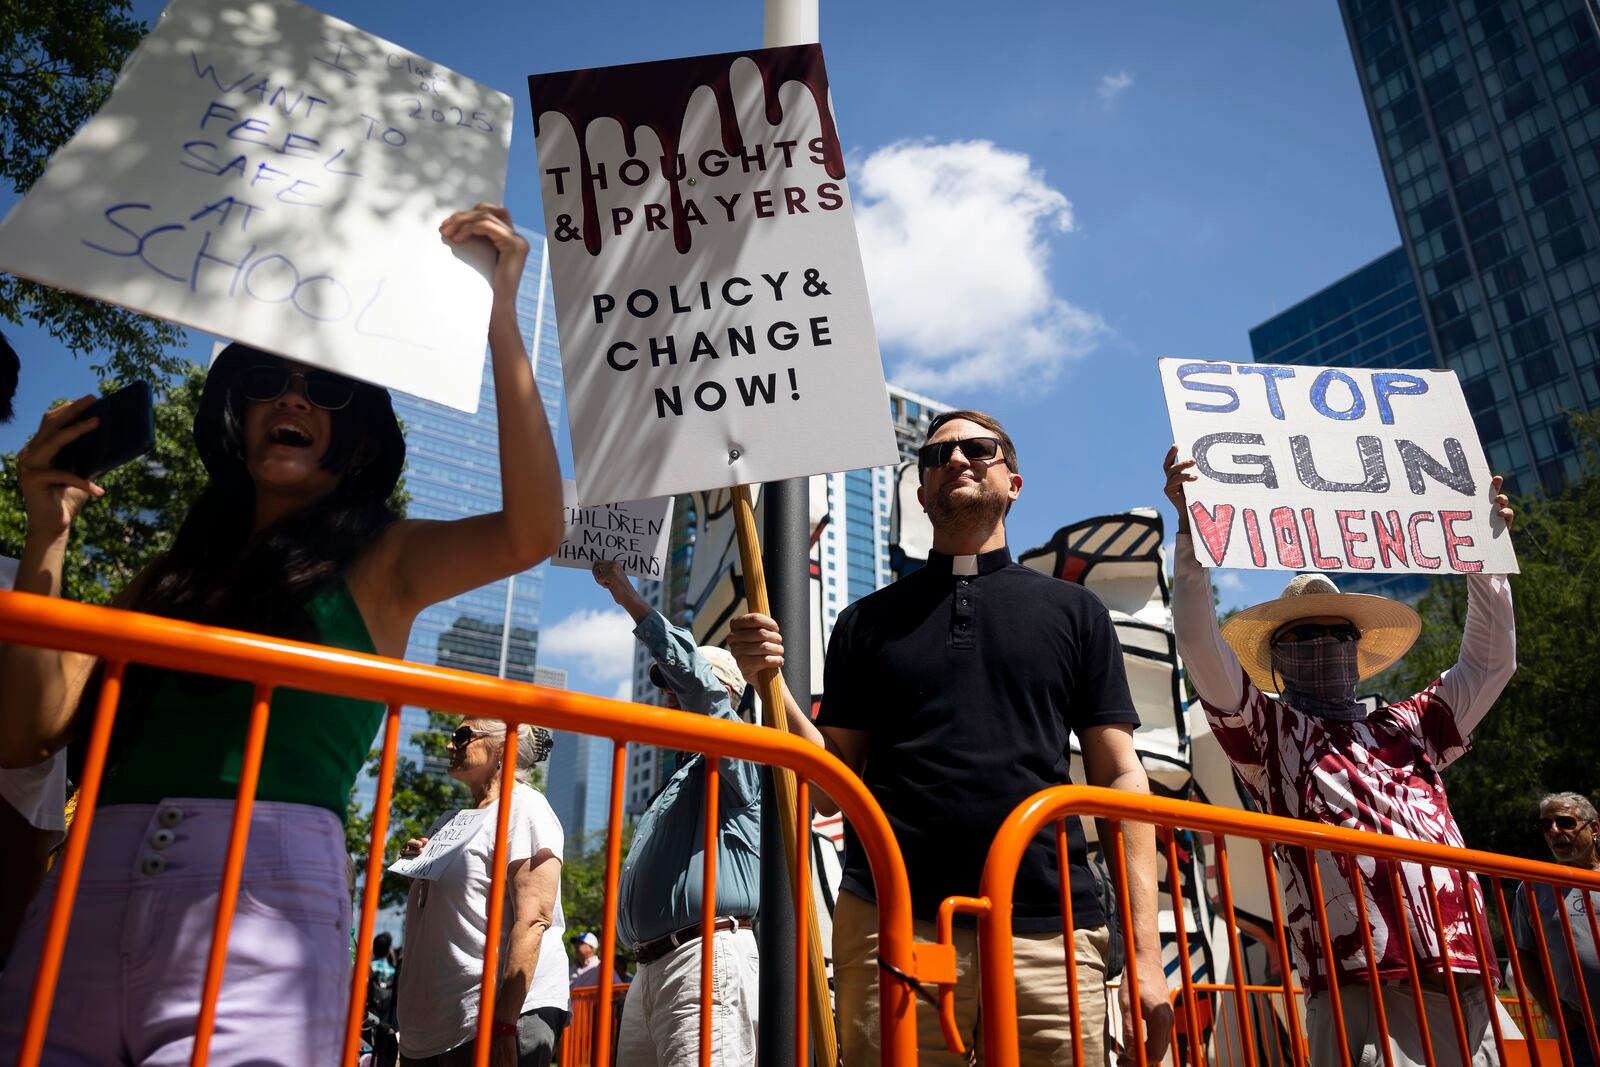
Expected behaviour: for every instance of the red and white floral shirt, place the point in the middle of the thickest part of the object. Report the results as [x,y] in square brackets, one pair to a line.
[1379,775]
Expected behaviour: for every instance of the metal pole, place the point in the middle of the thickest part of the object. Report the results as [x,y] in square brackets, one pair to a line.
[505,626]
[786,542]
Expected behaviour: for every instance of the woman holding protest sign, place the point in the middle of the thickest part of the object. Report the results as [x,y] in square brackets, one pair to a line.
[292,536]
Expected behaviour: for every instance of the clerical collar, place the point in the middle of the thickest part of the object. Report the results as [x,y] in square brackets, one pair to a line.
[984,563]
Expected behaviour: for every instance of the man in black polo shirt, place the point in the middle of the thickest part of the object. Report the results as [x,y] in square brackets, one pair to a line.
[953,693]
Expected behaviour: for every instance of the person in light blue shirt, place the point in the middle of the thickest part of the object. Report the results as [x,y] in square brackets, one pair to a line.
[661,889]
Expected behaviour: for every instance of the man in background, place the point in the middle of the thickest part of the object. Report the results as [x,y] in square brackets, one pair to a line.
[1569,825]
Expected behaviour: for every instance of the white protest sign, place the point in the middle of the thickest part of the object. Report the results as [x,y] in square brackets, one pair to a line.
[267,173]
[634,534]
[1337,470]
[444,843]
[713,313]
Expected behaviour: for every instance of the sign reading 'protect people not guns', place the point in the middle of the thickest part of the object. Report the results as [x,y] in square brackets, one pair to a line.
[1329,469]
[713,312]
[269,174]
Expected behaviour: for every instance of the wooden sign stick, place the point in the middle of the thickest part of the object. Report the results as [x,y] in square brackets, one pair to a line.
[824,1041]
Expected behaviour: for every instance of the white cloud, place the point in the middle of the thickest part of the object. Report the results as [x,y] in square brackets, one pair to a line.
[599,642]
[1113,85]
[955,242]
[1227,581]
[624,689]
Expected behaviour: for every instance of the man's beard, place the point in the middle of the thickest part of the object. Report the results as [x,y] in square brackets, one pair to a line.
[968,512]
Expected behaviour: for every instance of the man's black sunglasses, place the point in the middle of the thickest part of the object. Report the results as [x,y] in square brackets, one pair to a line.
[1310,631]
[1557,822]
[266,382]
[976,449]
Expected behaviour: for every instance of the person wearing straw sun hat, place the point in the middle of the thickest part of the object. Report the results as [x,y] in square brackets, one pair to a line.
[1278,684]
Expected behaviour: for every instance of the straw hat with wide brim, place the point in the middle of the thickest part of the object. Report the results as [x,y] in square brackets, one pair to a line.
[1388,627]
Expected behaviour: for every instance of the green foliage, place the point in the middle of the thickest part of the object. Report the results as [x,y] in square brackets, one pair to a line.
[1539,737]
[583,886]
[118,535]
[58,60]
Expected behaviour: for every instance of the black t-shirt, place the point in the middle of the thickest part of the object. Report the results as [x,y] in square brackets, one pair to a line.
[968,686]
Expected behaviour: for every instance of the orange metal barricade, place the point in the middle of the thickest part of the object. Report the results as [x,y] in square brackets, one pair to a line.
[122,638]
[1196,1006]
[579,1039]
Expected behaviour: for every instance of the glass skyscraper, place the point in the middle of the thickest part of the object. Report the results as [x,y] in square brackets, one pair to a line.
[1369,318]
[1487,118]
[453,471]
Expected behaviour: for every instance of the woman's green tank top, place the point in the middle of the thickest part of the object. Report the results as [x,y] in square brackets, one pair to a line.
[189,742]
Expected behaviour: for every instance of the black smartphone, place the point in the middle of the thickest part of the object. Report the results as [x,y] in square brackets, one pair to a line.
[127,431]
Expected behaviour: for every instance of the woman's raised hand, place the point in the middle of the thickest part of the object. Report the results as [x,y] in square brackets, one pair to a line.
[51,496]
[493,223]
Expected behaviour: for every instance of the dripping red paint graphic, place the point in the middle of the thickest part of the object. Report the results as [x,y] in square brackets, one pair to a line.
[655,96]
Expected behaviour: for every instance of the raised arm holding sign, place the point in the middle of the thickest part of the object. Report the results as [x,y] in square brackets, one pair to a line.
[1278,685]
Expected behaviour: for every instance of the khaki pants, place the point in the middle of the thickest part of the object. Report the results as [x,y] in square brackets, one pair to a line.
[1044,1024]
[1405,1036]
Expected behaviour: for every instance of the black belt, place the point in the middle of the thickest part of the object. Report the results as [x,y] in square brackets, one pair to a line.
[654,949]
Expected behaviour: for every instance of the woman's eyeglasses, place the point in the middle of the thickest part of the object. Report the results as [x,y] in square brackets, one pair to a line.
[1556,822]
[1310,631]
[265,383]
[464,736]
[976,449]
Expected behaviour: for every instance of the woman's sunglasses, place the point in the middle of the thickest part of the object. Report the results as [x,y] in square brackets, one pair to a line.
[1557,822]
[1310,631]
[265,383]
[465,735]
[976,449]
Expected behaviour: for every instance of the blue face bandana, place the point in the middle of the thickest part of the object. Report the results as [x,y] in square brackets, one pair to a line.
[1319,677]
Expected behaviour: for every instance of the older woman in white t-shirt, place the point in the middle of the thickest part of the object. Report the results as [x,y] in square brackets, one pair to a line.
[447,918]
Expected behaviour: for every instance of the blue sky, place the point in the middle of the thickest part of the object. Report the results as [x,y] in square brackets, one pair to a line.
[1051,195]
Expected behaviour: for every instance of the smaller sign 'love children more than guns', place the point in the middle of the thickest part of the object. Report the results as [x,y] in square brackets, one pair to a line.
[1331,469]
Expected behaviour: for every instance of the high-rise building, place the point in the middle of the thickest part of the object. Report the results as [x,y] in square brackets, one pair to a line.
[577,778]
[851,559]
[1487,119]
[854,551]
[453,471]
[1369,318]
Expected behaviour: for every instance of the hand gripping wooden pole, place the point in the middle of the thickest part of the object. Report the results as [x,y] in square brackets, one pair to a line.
[771,691]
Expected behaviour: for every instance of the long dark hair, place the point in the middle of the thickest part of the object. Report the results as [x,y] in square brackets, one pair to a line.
[217,572]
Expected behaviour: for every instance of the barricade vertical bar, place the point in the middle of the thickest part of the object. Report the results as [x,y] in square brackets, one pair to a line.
[370,889]
[1516,970]
[71,867]
[1577,974]
[1417,1003]
[497,897]
[1335,1000]
[1374,984]
[232,873]
[608,919]
[1594,934]
[1175,888]
[1291,1010]
[1480,946]
[1225,887]
[708,908]
[802,917]
[1131,963]
[1449,967]
[1550,984]
[1068,935]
